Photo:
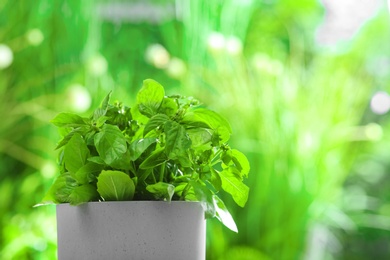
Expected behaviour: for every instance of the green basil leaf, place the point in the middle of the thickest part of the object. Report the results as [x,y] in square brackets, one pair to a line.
[241,162]
[156,158]
[110,144]
[212,119]
[88,172]
[123,162]
[68,120]
[223,215]
[168,107]
[155,122]
[102,110]
[200,138]
[236,159]
[115,186]
[61,189]
[150,97]
[205,196]
[97,160]
[106,100]
[82,130]
[162,190]
[234,186]
[139,146]
[75,153]
[177,140]
[215,179]
[82,194]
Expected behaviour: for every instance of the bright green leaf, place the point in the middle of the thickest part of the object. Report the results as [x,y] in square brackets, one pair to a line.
[234,186]
[241,162]
[150,97]
[156,158]
[139,146]
[68,120]
[96,159]
[212,119]
[205,196]
[115,186]
[200,138]
[168,107]
[162,190]
[110,144]
[75,153]
[82,194]
[123,162]
[177,140]
[223,215]
[88,172]
[155,122]
[82,130]
[215,179]
[61,189]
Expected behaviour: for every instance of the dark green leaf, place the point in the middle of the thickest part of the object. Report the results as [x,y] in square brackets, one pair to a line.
[82,194]
[68,119]
[155,122]
[150,97]
[158,157]
[162,190]
[110,144]
[88,172]
[75,153]
[115,186]
[139,146]
[234,186]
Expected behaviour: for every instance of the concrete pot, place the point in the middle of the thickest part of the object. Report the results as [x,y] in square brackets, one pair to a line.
[149,230]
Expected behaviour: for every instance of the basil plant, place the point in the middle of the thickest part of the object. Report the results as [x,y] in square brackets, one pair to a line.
[163,148]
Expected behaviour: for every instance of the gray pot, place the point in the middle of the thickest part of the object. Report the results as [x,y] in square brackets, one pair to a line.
[131,230]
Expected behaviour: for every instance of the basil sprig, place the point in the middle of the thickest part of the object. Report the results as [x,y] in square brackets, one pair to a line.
[162,148]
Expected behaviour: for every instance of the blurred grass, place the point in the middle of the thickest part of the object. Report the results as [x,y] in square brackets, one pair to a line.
[299,110]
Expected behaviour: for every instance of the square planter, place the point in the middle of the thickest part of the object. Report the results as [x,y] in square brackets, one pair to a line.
[149,230]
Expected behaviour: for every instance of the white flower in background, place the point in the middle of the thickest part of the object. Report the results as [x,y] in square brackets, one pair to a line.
[176,68]
[380,103]
[373,132]
[79,98]
[35,37]
[97,65]
[48,170]
[264,63]
[216,42]
[233,45]
[6,56]
[157,55]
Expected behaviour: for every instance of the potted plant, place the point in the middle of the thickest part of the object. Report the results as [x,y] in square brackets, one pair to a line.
[157,166]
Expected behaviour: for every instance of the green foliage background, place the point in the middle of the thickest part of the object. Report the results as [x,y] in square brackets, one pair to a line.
[299,110]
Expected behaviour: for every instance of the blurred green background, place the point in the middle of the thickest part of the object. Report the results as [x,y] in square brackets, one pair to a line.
[305,92]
